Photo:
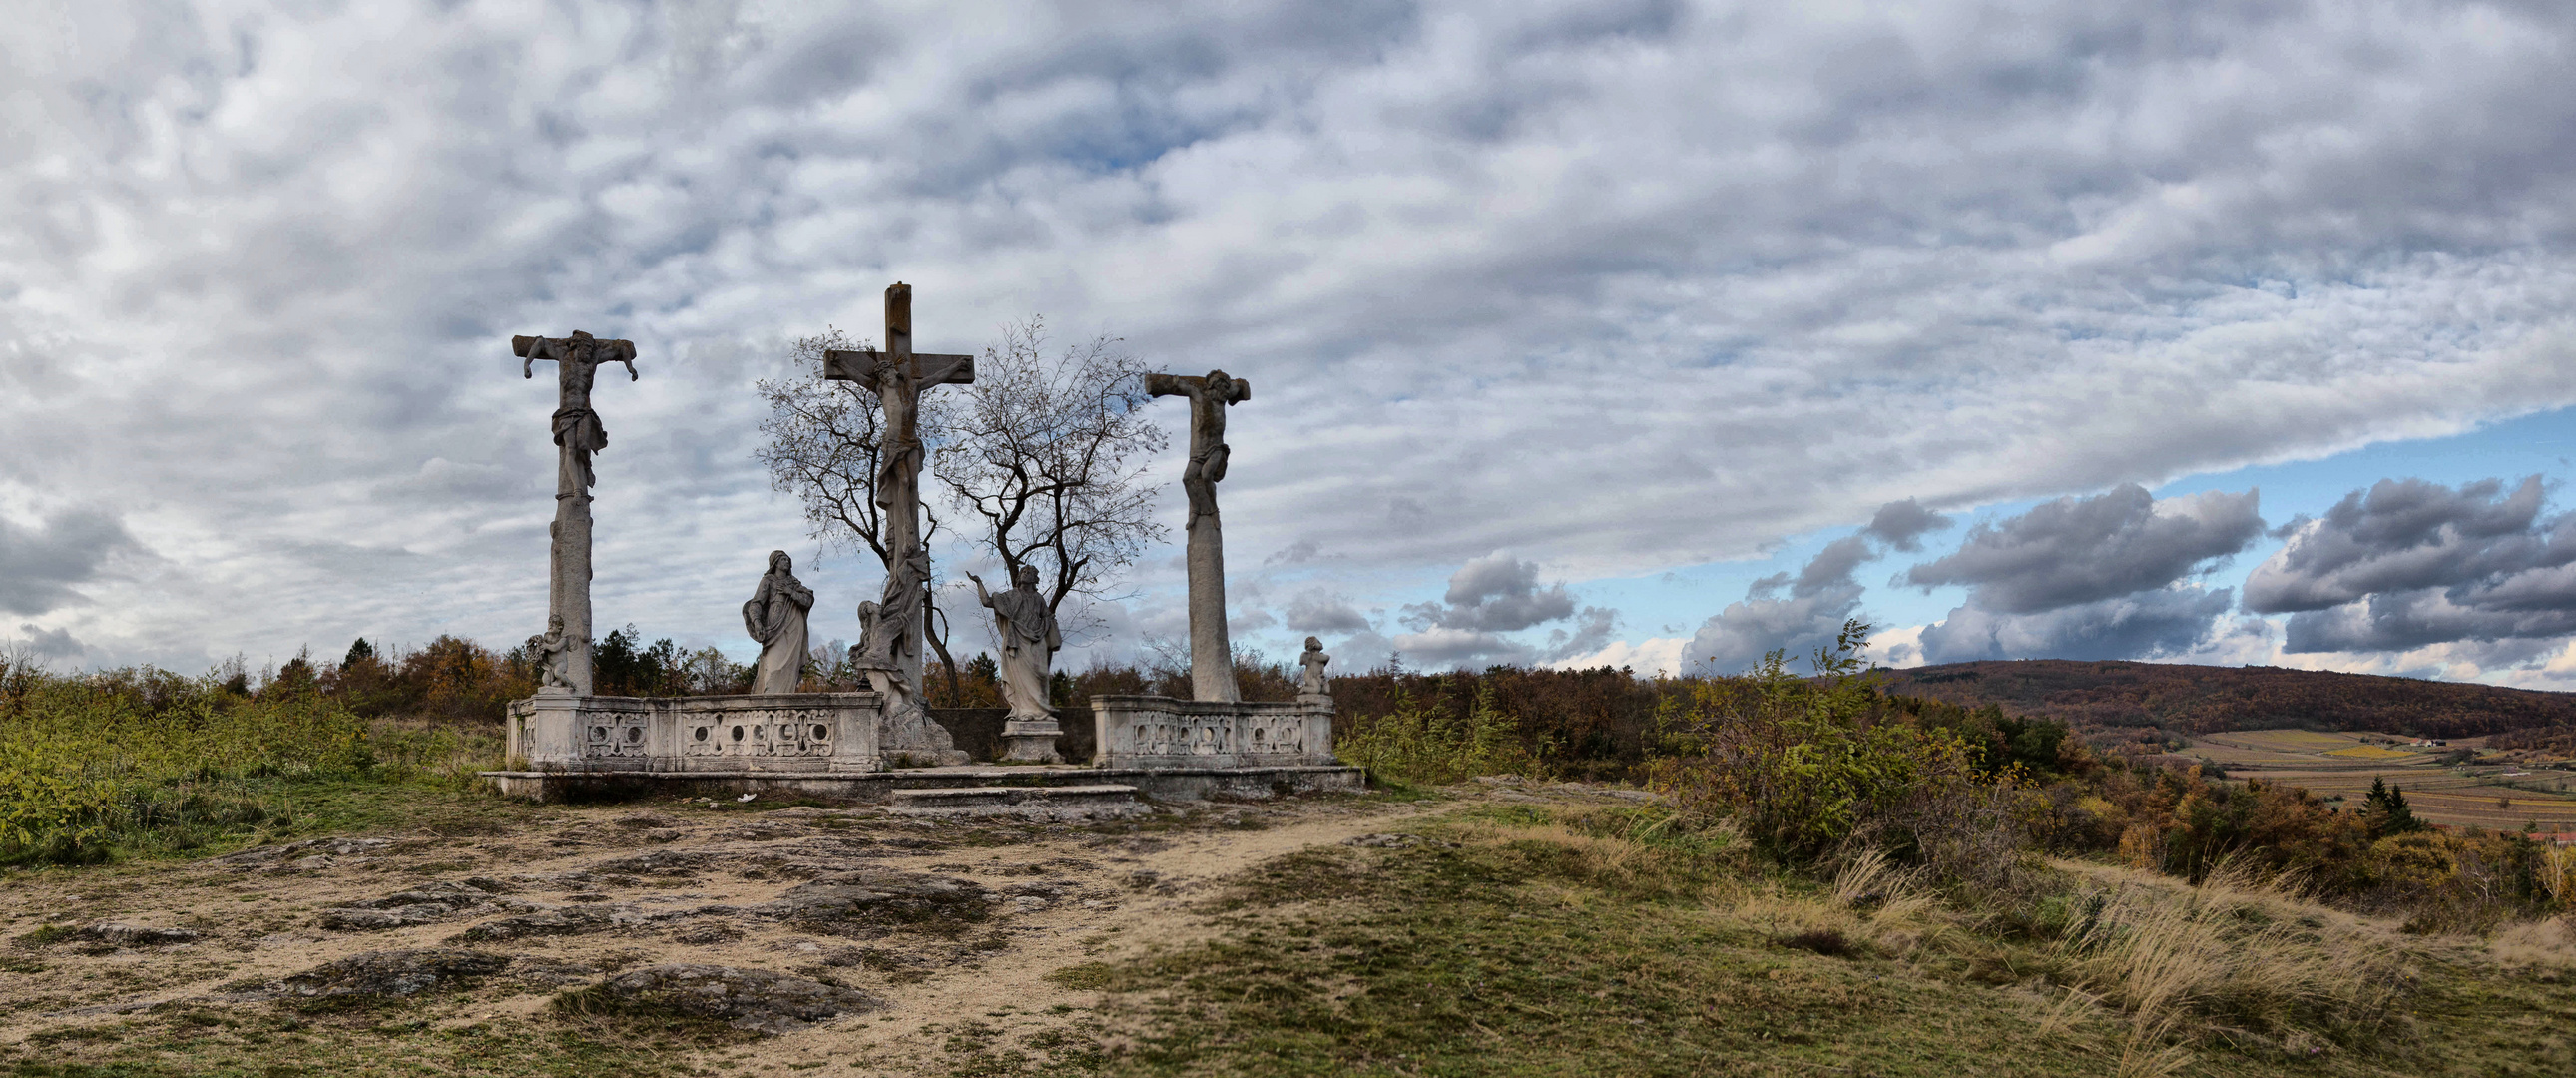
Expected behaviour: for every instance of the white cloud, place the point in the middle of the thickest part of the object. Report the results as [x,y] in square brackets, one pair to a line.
[1616,287]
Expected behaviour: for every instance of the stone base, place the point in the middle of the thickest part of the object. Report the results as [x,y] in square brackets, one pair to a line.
[919,758]
[1031,741]
[1064,803]
[1168,784]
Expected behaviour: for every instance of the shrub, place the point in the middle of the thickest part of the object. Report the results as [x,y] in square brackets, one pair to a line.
[84,759]
[1420,745]
[1807,767]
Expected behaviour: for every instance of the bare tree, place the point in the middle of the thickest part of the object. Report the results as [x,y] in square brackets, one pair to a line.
[1047,453]
[826,441]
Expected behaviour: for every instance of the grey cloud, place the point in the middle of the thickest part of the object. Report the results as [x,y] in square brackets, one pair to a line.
[1594,628]
[1494,593]
[1297,553]
[2406,534]
[2409,563]
[1734,243]
[1318,611]
[2157,623]
[51,643]
[2081,550]
[1441,647]
[1360,652]
[1820,598]
[1902,525]
[40,564]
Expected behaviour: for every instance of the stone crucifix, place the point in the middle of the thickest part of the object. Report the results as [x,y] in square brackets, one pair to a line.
[578,434]
[897,375]
[1211,654]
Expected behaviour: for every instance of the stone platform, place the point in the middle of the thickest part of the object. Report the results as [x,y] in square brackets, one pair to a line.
[1159,783]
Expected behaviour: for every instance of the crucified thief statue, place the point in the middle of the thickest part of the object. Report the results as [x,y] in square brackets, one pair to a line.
[578,434]
[1211,654]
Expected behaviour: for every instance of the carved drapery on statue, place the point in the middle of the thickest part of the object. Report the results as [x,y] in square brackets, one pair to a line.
[775,616]
[1027,628]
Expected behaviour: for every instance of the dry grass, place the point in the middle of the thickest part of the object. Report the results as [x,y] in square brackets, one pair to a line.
[2236,956]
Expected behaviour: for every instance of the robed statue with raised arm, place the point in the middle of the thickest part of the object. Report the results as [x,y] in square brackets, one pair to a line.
[1030,639]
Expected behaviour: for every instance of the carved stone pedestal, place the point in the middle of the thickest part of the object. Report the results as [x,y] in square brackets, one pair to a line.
[1031,741]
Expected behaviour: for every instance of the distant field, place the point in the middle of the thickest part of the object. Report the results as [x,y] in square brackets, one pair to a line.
[2373,752]
[2286,740]
[2344,764]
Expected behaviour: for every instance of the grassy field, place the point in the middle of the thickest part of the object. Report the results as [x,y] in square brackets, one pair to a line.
[1532,947]
[1498,930]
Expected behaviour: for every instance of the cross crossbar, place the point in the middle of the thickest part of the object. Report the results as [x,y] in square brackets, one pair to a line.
[860,365]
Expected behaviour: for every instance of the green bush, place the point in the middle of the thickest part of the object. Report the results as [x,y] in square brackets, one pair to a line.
[85,759]
[1417,745]
[1807,767]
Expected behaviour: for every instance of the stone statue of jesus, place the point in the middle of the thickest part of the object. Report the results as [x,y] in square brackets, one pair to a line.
[577,428]
[1030,640]
[775,616]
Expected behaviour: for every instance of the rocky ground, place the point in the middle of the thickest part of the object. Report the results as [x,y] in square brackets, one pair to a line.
[849,941]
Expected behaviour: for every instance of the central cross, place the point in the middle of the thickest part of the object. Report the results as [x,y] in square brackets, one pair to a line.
[897,375]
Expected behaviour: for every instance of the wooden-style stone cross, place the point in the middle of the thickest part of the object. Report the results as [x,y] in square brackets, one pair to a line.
[578,434]
[897,375]
[1211,653]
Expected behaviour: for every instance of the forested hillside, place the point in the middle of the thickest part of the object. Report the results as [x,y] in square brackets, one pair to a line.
[2212,699]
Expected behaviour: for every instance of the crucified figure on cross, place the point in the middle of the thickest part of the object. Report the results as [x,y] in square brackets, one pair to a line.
[898,375]
[1211,653]
[578,434]
[577,361]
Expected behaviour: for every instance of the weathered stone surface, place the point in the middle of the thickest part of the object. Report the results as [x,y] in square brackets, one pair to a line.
[117,934]
[775,617]
[555,922]
[388,973]
[312,853]
[663,863]
[1211,656]
[883,898]
[752,999]
[428,903]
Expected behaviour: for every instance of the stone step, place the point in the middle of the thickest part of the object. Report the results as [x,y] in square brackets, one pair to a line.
[1050,801]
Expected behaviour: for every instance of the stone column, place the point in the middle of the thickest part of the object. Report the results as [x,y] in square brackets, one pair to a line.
[1211,649]
[568,591]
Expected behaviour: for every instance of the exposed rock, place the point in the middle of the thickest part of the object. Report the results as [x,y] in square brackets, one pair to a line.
[706,934]
[557,922]
[662,863]
[386,973]
[312,853]
[752,999]
[116,934]
[882,897]
[427,903]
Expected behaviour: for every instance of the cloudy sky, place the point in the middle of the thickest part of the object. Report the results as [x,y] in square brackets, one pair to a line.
[1645,333]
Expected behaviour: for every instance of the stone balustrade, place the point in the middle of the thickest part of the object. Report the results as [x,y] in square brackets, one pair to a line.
[775,732]
[1159,731]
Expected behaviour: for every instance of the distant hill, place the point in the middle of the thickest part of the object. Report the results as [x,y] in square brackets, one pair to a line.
[2214,699]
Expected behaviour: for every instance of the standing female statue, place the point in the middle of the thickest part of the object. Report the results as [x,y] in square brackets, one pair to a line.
[775,616]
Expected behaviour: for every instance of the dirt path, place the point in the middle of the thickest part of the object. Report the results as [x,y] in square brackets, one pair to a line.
[593,891]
